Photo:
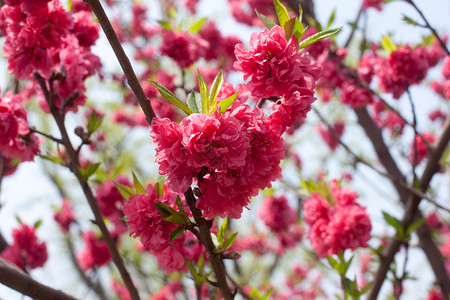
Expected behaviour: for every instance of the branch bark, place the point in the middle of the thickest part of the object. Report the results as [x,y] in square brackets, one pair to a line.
[205,237]
[13,277]
[74,167]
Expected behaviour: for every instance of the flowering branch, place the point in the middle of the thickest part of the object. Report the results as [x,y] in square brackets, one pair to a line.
[133,81]
[13,277]
[204,235]
[74,167]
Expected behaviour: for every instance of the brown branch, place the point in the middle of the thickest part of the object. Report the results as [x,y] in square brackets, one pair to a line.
[411,214]
[18,280]
[74,167]
[133,81]
[204,235]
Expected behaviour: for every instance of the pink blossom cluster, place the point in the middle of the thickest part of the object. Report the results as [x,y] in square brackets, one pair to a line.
[419,148]
[243,11]
[384,117]
[229,157]
[65,216]
[183,47]
[336,223]
[26,251]
[95,252]
[16,139]
[50,40]
[443,88]
[110,202]
[372,3]
[281,219]
[278,70]
[277,214]
[328,136]
[145,222]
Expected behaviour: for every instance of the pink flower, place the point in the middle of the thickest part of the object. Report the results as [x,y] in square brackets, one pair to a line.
[191,5]
[182,47]
[28,5]
[29,38]
[419,149]
[244,10]
[345,225]
[230,157]
[65,216]
[292,109]
[372,3]
[85,29]
[409,65]
[328,136]
[274,64]
[15,138]
[354,95]
[94,254]
[277,214]
[145,221]
[26,251]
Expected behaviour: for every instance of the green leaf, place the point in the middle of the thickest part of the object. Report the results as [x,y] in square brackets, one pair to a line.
[164,209]
[164,24]
[318,36]
[56,160]
[159,188]
[89,170]
[266,21]
[333,263]
[410,21]
[124,190]
[313,22]
[203,92]
[176,232]
[197,278]
[170,214]
[18,219]
[94,122]
[416,224]
[230,240]
[282,12]
[181,208]
[226,103]
[366,288]
[214,91]
[194,102]
[224,225]
[197,25]
[201,262]
[331,19]
[394,222]
[387,44]
[300,13]
[168,95]
[137,185]
[293,27]
[69,5]
[37,224]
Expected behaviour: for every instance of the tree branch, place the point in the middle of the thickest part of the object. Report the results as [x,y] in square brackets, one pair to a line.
[133,81]
[13,277]
[204,235]
[74,167]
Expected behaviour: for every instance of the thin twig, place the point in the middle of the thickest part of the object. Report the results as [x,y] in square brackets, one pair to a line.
[125,63]
[429,26]
[74,167]
[33,129]
[354,26]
